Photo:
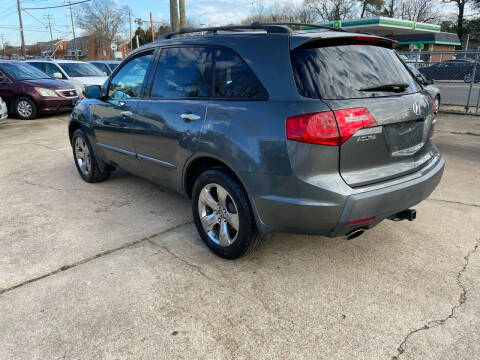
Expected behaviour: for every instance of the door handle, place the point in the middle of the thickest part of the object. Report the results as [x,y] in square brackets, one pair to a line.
[190,117]
[126,113]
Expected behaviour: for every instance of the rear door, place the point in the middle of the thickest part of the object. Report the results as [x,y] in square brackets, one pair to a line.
[368,84]
[169,120]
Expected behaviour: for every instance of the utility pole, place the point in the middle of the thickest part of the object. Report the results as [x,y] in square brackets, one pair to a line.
[21,28]
[48,17]
[130,23]
[182,14]
[151,27]
[3,46]
[173,15]
[73,30]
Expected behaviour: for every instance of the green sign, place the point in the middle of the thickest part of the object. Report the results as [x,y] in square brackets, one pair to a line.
[419,46]
[337,24]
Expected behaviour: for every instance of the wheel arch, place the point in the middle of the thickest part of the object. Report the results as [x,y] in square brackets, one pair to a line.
[14,100]
[199,164]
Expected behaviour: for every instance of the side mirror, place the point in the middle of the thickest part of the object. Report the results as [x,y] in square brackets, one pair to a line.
[93,92]
[57,75]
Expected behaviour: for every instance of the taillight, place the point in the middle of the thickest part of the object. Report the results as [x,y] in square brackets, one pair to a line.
[351,120]
[327,127]
[434,107]
[317,128]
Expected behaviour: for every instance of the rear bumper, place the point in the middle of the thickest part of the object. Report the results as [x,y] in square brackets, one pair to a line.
[388,201]
[330,212]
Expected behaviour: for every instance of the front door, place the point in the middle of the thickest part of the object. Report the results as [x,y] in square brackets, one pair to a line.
[169,121]
[114,115]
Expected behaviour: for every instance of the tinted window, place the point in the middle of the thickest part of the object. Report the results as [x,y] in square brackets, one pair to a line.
[39,66]
[183,72]
[128,81]
[234,79]
[50,69]
[341,72]
[102,67]
[113,65]
[23,71]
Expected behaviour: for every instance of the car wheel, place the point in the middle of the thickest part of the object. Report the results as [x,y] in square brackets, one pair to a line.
[25,108]
[85,160]
[223,215]
[437,102]
[467,78]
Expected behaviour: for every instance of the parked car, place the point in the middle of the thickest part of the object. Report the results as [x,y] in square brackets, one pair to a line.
[78,73]
[107,66]
[459,69]
[29,91]
[3,110]
[338,143]
[428,85]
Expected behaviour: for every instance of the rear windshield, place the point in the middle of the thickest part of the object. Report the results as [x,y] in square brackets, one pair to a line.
[350,71]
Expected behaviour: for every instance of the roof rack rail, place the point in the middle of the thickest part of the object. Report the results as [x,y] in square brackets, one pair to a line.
[270,28]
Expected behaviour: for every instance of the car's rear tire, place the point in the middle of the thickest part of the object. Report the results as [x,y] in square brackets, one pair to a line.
[85,160]
[25,108]
[437,102]
[223,216]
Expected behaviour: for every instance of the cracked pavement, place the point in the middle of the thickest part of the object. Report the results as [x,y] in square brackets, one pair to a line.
[116,270]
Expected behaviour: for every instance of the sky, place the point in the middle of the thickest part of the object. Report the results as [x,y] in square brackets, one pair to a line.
[215,12]
[212,12]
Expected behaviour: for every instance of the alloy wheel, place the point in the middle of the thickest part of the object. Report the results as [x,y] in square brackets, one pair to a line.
[82,156]
[24,108]
[218,214]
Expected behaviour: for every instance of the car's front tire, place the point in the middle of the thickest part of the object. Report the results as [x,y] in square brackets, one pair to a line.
[25,108]
[223,216]
[85,160]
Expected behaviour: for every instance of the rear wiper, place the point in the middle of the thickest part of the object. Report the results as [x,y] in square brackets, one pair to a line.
[400,87]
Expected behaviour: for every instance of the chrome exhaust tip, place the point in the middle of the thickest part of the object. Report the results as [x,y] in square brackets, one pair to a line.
[354,234]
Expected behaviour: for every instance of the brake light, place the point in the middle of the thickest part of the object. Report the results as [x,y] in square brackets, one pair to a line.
[327,127]
[367,38]
[316,128]
[351,120]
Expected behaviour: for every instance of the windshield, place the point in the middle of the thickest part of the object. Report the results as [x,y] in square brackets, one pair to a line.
[81,69]
[347,71]
[21,71]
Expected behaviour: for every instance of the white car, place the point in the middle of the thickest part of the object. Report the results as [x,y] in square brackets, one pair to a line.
[3,110]
[78,73]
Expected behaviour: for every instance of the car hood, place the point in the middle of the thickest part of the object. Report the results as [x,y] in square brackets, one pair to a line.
[47,83]
[88,80]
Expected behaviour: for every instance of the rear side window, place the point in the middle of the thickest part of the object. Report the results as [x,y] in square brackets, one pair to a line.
[183,72]
[39,66]
[347,71]
[234,79]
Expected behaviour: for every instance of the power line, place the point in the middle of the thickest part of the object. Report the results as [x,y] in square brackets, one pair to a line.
[57,6]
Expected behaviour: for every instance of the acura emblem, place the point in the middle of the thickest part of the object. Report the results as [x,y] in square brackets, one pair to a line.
[416,108]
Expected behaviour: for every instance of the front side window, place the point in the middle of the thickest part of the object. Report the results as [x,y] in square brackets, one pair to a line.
[128,81]
[51,69]
[183,72]
[234,79]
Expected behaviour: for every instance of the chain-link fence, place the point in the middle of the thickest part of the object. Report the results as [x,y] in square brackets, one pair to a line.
[452,72]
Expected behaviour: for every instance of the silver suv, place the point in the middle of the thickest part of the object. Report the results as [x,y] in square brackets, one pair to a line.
[266,129]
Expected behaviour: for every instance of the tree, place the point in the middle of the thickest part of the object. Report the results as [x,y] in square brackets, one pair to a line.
[460,15]
[371,7]
[329,10]
[102,18]
[420,11]
[390,9]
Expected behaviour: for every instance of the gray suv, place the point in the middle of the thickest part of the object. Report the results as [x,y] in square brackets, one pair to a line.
[266,129]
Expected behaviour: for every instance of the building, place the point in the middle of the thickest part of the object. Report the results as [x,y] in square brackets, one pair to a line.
[411,35]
